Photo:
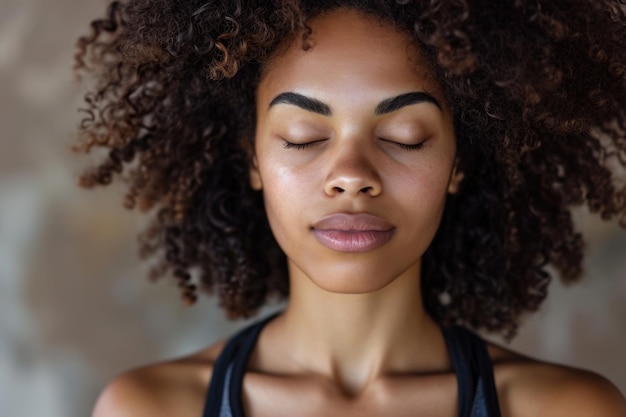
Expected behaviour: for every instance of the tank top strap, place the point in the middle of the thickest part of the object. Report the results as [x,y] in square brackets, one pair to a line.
[468,352]
[478,396]
[224,394]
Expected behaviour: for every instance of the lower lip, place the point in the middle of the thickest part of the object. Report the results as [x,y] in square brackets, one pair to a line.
[353,241]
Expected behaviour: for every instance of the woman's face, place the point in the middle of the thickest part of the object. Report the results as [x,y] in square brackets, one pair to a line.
[354,153]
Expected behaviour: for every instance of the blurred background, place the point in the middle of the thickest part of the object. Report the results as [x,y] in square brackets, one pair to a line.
[75,308]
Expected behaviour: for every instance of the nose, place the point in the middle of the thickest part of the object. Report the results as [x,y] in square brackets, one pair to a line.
[352,172]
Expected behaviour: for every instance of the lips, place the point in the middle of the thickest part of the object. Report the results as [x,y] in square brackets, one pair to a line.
[360,232]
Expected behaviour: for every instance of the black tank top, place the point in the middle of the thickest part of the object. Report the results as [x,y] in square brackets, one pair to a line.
[472,365]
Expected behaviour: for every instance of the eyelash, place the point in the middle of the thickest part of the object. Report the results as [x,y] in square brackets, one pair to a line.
[414,147]
[300,146]
[291,145]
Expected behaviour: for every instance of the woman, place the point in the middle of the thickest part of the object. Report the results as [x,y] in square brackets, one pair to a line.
[394,168]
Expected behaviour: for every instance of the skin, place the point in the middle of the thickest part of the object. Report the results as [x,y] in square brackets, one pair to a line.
[339,349]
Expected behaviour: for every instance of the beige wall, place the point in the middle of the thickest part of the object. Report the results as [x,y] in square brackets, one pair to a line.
[74,308]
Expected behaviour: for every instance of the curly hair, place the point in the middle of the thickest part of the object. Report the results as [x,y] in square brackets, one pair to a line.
[537,89]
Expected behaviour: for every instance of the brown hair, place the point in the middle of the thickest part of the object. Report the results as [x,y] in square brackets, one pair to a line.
[537,90]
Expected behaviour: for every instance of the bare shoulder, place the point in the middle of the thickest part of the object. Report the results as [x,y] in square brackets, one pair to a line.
[528,387]
[176,387]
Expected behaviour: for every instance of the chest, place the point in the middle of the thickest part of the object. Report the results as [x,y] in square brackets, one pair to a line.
[236,393]
[275,396]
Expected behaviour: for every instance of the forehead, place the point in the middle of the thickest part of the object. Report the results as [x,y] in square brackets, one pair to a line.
[348,51]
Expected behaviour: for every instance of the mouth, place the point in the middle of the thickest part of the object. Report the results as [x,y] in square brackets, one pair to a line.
[360,232]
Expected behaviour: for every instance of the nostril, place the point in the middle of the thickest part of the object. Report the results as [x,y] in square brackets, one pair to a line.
[353,186]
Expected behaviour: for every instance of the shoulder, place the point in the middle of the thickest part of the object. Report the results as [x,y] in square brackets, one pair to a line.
[528,387]
[176,387]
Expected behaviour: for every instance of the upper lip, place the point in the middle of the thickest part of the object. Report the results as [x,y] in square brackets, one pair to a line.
[357,222]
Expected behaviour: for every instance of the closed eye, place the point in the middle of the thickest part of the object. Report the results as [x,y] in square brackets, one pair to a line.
[406,147]
[412,147]
[291,145]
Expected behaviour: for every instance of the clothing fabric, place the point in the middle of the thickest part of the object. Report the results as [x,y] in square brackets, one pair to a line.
[468,353]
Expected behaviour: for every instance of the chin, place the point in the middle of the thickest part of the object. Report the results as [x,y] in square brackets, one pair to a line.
[350,285]
[348,278]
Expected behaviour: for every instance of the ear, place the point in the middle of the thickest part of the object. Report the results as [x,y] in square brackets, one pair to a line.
[255,175]
[455,179]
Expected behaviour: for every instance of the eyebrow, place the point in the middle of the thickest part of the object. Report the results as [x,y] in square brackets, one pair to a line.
[396,103]
[304,102]
[384,107]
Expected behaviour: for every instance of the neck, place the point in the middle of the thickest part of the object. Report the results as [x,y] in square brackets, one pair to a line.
[355,339]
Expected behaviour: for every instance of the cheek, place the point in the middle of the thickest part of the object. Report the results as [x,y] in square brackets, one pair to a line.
[426,181]
[423,193]
[286,195]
